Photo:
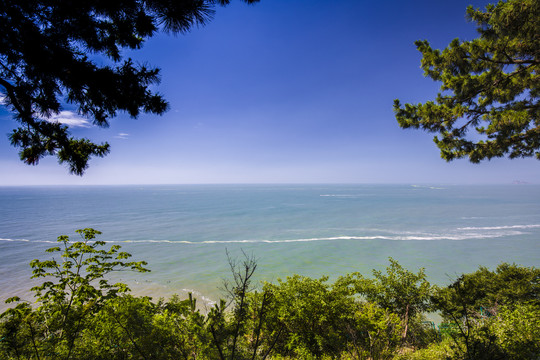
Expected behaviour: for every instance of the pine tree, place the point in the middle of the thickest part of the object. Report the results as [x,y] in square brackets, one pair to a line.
[489,84]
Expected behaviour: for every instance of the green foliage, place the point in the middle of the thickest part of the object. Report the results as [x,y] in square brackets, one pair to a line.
[513,333]
[484,290]
[376,333]
[517,329]
[238,333]
[399,291]
[45,63]
[18,325]
[312,314]
[422,332]
[136,327]
[80,277]
[79,314]
[472,306]
[474,340]
[435,351]
[489,84]
[74,289]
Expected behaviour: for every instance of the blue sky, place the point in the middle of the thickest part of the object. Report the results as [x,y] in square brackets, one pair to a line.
[285,91]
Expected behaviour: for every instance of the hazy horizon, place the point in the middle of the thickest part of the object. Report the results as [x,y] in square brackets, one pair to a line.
[415,184]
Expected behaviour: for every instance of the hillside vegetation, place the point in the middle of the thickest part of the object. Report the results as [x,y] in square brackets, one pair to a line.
[79,314]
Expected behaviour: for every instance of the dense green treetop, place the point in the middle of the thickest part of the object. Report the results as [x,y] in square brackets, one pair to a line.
[399,290]
[489,85]
[47,59]
[508,285]
[73,290]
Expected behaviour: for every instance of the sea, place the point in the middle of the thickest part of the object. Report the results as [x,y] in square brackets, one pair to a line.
[189,234]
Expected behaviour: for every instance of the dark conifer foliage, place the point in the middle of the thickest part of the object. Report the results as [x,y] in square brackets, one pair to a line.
[489,87]
[48,52]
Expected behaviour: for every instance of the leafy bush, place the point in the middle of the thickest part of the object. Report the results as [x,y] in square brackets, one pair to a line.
[399,291]
[73,291]
[518,331]
[312,315]
[435,351]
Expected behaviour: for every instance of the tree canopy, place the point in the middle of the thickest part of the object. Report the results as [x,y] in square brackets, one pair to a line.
[48,53]
[489,85]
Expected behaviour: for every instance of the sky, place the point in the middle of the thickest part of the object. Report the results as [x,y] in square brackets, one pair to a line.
[283,91]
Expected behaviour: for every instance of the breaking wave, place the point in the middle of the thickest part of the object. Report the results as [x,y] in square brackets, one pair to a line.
[458,234]
[500,227]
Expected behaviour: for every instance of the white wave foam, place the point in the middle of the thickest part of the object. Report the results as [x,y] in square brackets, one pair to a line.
[427,187]
[346,195]
[501,227]
[464,233]
[26,240]
[198,295]
[410,237]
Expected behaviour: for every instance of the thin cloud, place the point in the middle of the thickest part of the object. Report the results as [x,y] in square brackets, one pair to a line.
[122,136]
[65,117]
[69,118]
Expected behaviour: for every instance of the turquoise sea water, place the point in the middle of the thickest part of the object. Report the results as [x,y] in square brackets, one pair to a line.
[184,231]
